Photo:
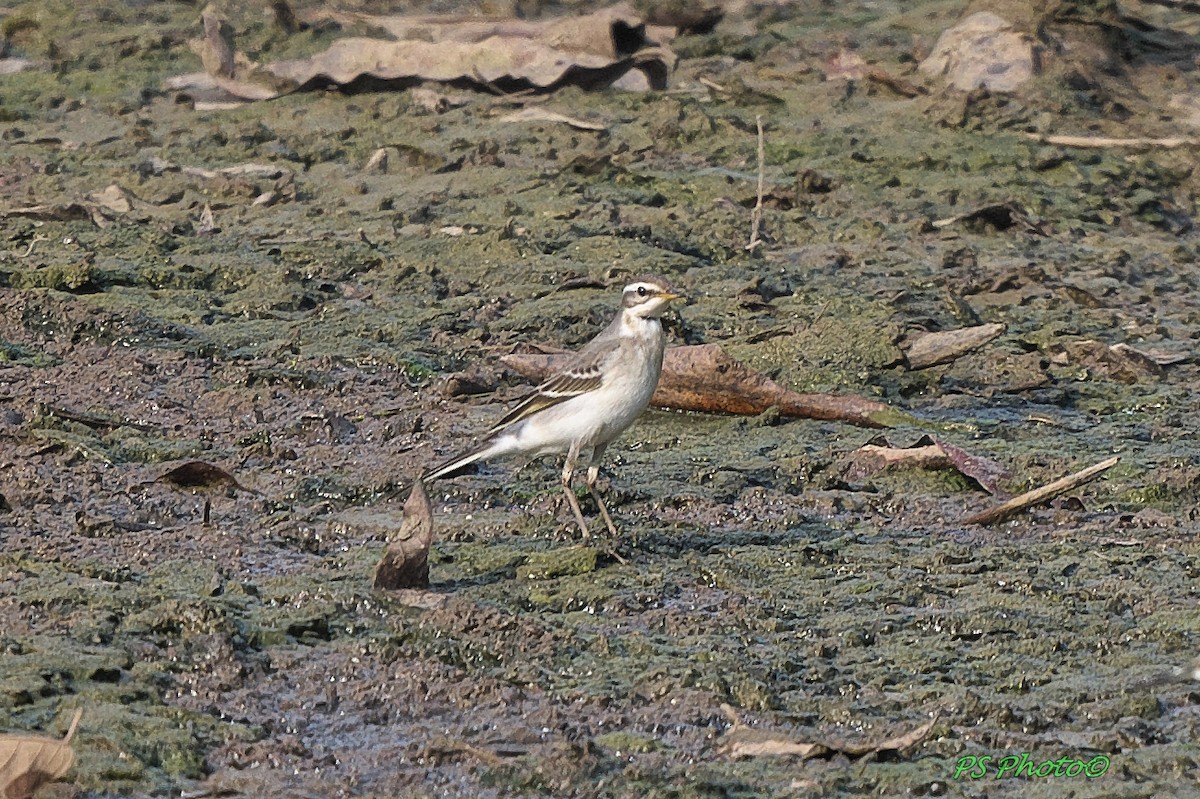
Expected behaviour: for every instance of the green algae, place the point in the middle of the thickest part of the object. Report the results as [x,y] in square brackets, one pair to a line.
[754,577]
[569,562]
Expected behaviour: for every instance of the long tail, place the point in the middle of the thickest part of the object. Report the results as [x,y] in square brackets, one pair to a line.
[489,448]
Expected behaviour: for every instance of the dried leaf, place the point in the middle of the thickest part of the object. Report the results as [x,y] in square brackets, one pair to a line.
[930,349]
[216,49]
[1043,494]
[114,198]
[1155,357]
[743,742]
[611,32]
[1119,362]
[200,474]
[846,65]
[29,761]
[593,50]
[405,563]
[927,453]
[983,50]
[436,102]
[900,86]
[998,216]
[57,212]
[703,378]
[896,743]
[207,223]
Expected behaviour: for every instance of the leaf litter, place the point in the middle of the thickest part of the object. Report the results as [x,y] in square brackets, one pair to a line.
[27,762]
[613,46]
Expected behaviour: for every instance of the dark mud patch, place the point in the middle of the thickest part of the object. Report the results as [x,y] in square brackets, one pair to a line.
[225,637]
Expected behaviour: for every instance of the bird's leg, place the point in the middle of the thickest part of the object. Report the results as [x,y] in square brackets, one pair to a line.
[593,473]
[568,471]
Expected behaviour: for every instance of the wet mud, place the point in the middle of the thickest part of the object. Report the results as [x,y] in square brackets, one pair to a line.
[324,345]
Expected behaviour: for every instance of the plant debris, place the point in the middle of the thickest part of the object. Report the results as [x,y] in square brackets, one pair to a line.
[928,453]
[983,50]
[1040,495]
[613,46]
[924,350]
[998,216]
[28,762]
[405,562]
[745,742]
[201,474]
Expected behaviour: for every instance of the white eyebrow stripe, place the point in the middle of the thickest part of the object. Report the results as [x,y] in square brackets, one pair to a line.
[636,286]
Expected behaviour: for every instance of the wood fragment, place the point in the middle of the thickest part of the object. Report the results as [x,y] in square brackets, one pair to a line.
[930,349]
[1138,142]
[1040,495]
[704,378]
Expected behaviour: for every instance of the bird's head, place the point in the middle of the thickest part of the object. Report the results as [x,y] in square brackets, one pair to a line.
[647,297]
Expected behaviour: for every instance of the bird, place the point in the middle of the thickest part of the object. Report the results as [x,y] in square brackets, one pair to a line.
[582,408]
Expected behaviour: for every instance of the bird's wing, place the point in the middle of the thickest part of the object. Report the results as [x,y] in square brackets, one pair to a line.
[585,374]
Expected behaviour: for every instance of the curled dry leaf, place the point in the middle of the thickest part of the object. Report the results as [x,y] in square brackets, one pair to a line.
[200,474]
[591,51]
[114,198]
[1120,362]
[928,453]
[405,562]
[216,48]
[983,50]
[704,378]
[930,349]
[29,761]
[744,742]
[998,216]
[846,65]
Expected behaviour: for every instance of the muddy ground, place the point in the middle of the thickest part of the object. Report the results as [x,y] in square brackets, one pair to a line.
[325,346]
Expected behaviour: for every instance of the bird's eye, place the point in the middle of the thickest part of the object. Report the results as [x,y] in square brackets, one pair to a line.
[641,291]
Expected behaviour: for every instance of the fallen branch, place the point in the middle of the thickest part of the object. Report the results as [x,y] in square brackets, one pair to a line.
[1106,141]
[704,378]
[1040,495]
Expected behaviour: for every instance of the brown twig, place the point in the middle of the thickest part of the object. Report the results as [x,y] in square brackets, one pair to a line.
[1106,141]
[756,214]
[1040,495]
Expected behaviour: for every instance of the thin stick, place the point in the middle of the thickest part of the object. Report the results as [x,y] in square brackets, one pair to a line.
[1039,495]
[756,214]
[1105,141]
